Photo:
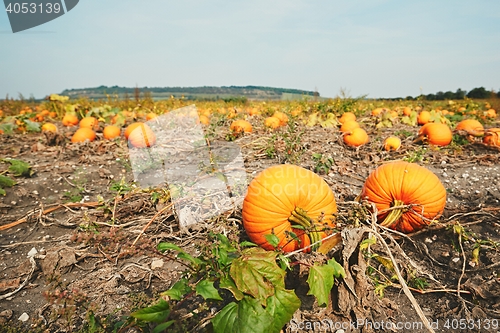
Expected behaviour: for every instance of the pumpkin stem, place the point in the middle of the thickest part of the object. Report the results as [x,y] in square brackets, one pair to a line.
[299,216]
[395,214]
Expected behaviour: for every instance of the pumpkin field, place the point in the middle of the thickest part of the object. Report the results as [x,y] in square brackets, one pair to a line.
[313,215]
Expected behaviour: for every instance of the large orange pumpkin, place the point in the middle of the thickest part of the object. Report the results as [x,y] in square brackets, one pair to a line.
[282,196]
[111,131]
[435,134]
[142,136]
[417,192]
[241,126]
[492,137]
[70,120]
[471,126]
[89,122]
[83,134]
[357,137]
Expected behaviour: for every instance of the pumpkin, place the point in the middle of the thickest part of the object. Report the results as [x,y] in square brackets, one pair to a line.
[204,120]
[111,131]
[471,126]
[83,134]
[357,137]
[392,143]
[346,117]
[349,126]
[376,112]
[272,122]
[423,117]
[70,120]
[283,118]
[49,127]
[89,122]
[240,126]
[130,128]
[407,111]
[142,136]
[435,134]
[151,115]
[407,196]
[285,195]
[492,137]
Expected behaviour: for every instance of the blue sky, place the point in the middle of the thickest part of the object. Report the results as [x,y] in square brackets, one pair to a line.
[379,48]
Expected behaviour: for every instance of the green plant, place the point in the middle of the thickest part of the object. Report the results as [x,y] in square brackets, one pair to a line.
[322,164]
[415,156]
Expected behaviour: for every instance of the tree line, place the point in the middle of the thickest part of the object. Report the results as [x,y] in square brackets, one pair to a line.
[476,93]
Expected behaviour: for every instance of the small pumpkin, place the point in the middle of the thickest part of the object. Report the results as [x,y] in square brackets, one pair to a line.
[70,120]
[357,137]
[435,134]
[130,128]
[407,196]
[204,120]
[346,117]
[283,118]
[83,134]
[423,117]
[111,131]
[89,122]
[471,126]
[142,136]
[285,195]
[241,126]
[349,125]
[492,137]
[272,122]
[49,127]
[392,143]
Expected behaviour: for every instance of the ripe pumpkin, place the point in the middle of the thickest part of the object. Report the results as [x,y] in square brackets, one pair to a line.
[349,125]
[111,131]
[240,126]
[70,120]
[283,118]
[141,136]
[435,134]
[357,137]
[130,128]
[285,195]
[417,191]
[492,137]
[49,127]
[407,111]
[204,119]
[89,122]
[83,134]
[392,143]
[423,117]
[471,126]
[272,122]
[346,117]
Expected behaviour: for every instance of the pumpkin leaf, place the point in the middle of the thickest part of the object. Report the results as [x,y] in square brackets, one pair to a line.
[155,313]
[179,289]
[6,181]
[329,243]
[256,273]
[163,326]
[2,192]
[338,269]
[19,168]
[386,262]
[312,119]
[205,288]
[272,239]
[367,242]
[32,126]
[281,306]
[411,119]
[227,283]
[320,282]
[7,128]
[246,316]
[164,246]
[329,121]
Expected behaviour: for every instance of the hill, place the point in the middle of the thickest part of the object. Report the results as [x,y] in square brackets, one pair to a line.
[195,93]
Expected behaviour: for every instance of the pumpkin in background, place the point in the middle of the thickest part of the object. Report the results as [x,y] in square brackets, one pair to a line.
[241,126]
[111,131]
[346,117]
[357,137]
[204,119]
[407,196]
[349,125]
[283,118]
[423,117]
[285,195]
[130,128]
[435,134]
[272,122]
[392,143]
[151,115]
[89,122]
[83,134]
[49,127]
[141,136]
[492,137]
[471,126]
[70,120]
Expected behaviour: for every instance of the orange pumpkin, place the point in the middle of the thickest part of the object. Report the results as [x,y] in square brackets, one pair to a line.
[392,143]
[130,128]
[204,120]
[492,137]
[241,126]
[407,196]
[272,122]
[435,134]
[70,120]
[111,131]
[349,125]
[151,115]
[423,117]
[407,111]
[83,134]
[357,137]
[347,117]
[285,195]
[89,122]
[283,118]
[142,136]
[471,126]
[49,127]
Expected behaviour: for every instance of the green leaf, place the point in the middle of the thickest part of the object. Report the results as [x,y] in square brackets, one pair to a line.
[338,269]
[206,289]
[281,306]
[156,313]
[246,316]
[164,246]
[163,326]
[2,192]
[256,273]
[228,284]
[320,282]
[179,289]
[7,128]
[329,121]
[272,239]
[367,242]
[6,181]
[19,168]
[32,126]
[247,244]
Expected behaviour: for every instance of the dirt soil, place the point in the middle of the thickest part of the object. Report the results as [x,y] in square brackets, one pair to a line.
[57,267]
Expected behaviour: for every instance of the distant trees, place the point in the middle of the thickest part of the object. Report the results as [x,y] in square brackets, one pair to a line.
[479,93]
